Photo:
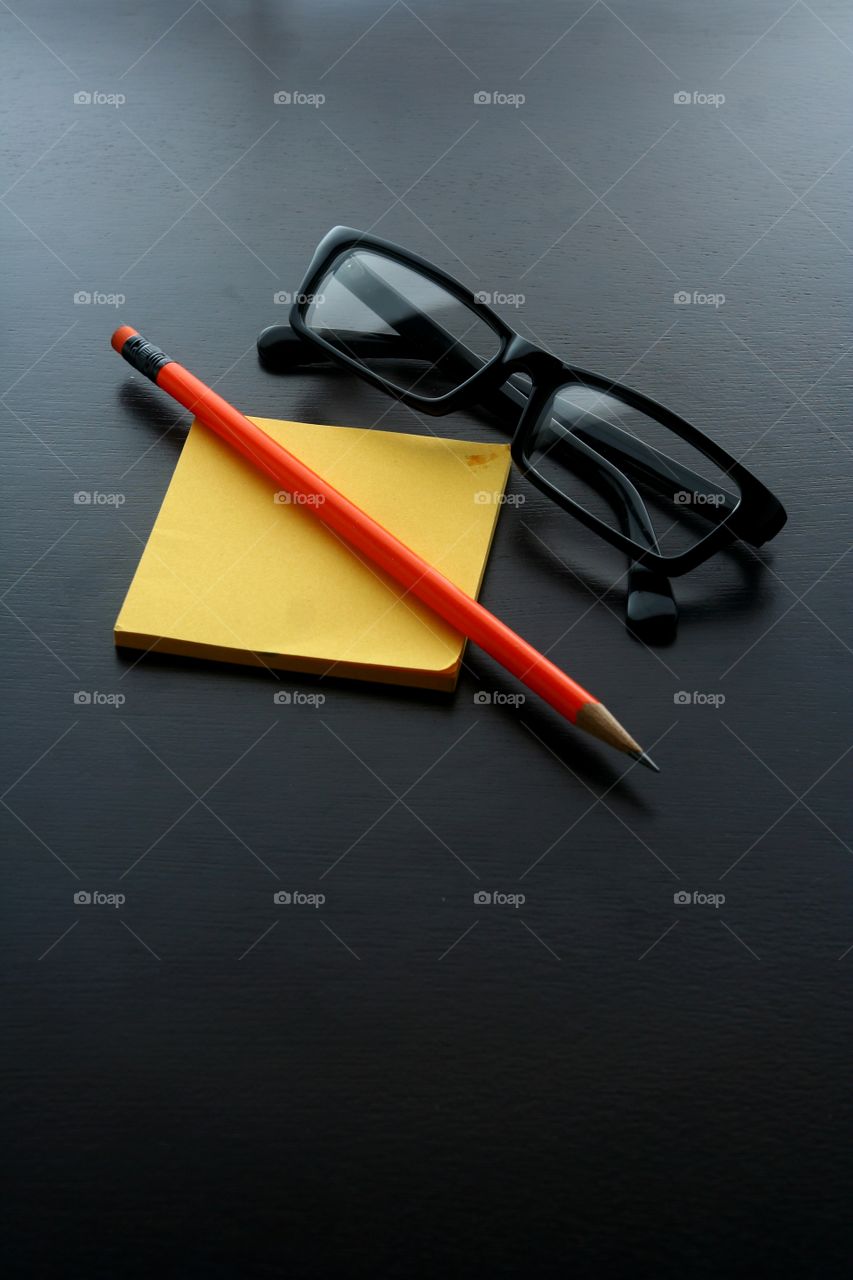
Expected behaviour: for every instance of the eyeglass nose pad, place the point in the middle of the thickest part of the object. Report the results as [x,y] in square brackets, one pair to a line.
[651,614]
[280,350]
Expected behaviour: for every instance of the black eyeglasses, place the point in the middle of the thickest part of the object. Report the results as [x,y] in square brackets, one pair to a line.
[638,475]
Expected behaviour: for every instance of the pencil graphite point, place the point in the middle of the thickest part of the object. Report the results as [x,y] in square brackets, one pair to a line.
[642,758]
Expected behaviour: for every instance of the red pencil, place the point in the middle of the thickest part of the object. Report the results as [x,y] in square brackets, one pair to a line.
[365,535]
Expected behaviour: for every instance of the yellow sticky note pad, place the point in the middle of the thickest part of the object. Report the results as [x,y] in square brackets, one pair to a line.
[234,572]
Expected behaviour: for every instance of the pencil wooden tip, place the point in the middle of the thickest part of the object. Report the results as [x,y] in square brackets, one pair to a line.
[594,718]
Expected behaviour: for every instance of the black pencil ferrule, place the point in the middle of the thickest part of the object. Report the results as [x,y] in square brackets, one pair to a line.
[144,356]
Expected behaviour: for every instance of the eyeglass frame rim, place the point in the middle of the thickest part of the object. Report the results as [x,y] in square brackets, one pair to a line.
[547,373]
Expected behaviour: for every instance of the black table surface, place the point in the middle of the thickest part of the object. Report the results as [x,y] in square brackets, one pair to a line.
[595,1079]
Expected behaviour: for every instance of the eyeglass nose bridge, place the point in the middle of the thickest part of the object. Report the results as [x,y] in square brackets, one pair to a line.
[521,356]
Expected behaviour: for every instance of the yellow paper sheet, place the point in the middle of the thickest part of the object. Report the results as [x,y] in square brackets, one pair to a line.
[234,573]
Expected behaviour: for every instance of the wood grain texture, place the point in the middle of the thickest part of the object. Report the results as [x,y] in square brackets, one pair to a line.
[600,1079]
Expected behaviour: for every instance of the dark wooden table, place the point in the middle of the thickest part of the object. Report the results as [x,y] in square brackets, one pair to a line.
[599,1080]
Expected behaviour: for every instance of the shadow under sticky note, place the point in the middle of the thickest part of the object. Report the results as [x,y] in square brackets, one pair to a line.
[235,572]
